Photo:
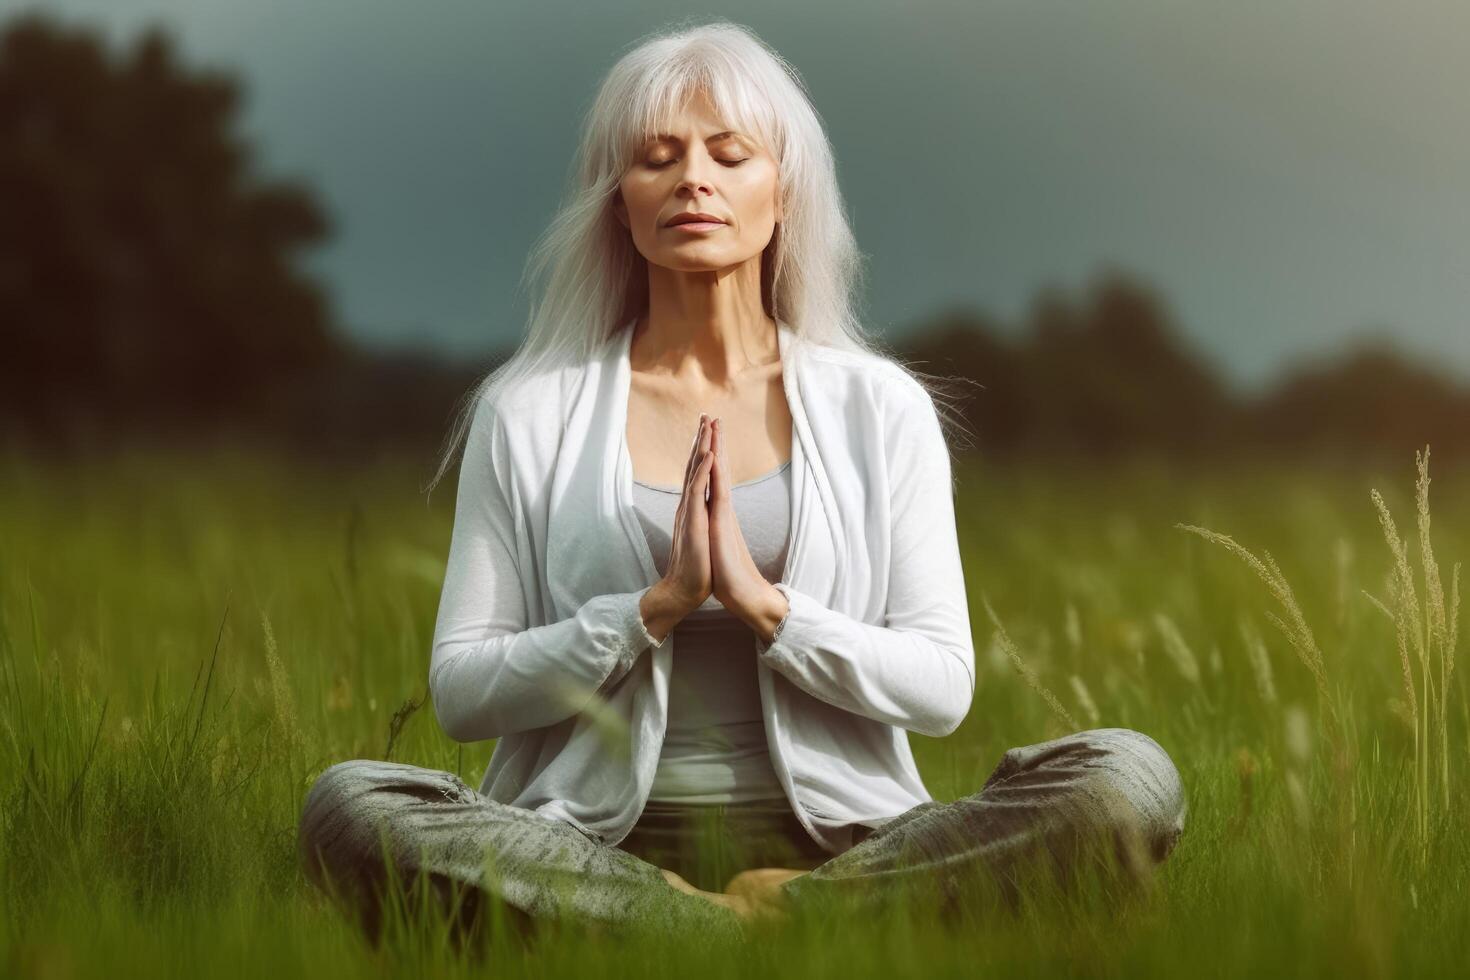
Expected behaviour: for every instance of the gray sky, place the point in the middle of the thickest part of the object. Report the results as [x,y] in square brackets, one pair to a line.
[1287,174]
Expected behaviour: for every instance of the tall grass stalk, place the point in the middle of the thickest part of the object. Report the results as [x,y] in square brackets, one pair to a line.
[1003,639]
[1434,632]
[1296,631]
[1427,635]
[1335,713]
[1260,660]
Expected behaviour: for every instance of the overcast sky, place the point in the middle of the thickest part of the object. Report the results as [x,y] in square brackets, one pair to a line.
[1287,174]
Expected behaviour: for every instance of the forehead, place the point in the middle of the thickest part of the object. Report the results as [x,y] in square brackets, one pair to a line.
[697,119]
[727,134]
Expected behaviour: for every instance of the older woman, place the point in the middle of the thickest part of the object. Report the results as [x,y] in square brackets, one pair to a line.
[704,575]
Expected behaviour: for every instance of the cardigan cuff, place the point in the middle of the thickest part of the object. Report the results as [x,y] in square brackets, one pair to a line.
[761,647]
[643,636]
[632,636]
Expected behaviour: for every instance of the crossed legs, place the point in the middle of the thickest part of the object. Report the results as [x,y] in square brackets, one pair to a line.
[364,821]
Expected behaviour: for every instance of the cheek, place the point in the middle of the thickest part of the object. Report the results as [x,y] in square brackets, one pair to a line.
[758,204]
[760,194]
[638,198]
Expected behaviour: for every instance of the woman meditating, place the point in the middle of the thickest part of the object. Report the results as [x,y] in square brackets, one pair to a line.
[704,576]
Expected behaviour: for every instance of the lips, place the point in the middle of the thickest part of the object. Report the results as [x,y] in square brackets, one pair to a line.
[694,216]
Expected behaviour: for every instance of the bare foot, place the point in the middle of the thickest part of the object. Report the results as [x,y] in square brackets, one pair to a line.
[735,902]
[761,880]
[752,894]
[761,889]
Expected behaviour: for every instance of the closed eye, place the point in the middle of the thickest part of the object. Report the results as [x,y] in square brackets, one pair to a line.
[728,163]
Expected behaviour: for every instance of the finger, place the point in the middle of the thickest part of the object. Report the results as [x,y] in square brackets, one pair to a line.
[693,459]
[681,510]
[716,469]
[698,431]
[720,468]
[693,496]
[704,442]
[695,453]
[696,482]
[706,491]
[709,432]
[677,529]
[724,449]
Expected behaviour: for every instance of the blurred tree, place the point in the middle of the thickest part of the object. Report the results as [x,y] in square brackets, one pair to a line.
[146,275]
[1365,400]
[961,343]
[1099,377]
[1114,374]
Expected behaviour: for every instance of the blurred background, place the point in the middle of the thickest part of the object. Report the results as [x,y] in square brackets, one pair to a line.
[1144,228]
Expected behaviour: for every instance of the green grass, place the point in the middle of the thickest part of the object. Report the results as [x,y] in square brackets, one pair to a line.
[185,643]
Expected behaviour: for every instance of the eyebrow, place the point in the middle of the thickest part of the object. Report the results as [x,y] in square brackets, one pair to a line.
[671,138]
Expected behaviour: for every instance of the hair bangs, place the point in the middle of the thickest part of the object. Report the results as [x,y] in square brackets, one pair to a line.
[658,100]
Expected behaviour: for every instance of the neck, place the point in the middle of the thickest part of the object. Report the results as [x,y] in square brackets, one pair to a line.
[713,336]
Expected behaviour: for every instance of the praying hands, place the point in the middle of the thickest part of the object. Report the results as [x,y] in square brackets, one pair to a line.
[708,555]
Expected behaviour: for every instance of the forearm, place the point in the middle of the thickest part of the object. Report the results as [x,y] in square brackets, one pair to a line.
[484,687]
[920,678]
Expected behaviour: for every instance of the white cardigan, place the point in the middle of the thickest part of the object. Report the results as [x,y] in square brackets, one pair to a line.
[540,643]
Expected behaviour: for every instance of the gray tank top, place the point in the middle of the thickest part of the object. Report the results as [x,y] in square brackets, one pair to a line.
[715,748]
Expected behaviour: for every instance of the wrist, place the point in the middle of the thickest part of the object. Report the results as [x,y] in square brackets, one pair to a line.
[661,609]
[764,611]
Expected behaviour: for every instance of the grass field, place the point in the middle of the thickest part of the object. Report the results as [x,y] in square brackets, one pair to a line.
[187,642]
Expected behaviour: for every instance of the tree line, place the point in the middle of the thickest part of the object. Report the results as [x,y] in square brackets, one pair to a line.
[1108,373]
[150,289]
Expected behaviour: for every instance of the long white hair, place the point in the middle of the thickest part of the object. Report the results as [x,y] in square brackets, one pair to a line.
[588,280]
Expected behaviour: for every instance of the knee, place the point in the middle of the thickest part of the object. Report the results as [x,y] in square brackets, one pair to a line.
[1143,780]
[331,816]
[335,788]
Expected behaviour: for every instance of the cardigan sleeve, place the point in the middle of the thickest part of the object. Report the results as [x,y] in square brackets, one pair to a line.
[490,673]
[917,670]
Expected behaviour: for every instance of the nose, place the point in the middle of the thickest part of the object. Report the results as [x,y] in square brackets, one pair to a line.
[692,187]
[693,180]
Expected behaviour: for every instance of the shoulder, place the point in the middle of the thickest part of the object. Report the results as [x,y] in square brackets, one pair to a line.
[868,392]
[525,402]
[870,375]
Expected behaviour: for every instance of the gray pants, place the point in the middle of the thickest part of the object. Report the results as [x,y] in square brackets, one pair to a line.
[367,825]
